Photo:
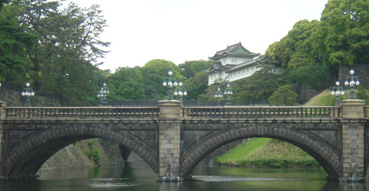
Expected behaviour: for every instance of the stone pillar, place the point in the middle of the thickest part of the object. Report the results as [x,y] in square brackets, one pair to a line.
[353,140]
[2,118]
[169,141]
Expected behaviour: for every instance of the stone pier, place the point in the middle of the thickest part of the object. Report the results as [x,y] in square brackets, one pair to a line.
[2,118]
[353,160]
[169,141]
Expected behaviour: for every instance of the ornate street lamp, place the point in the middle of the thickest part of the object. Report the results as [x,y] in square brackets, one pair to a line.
[354,81]
[27,93]
[170,81]
[180,91]
[102,94]
[228,92]
[338,91]
[218,95]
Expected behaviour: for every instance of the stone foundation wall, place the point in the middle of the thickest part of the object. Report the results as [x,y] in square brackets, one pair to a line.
[75,156]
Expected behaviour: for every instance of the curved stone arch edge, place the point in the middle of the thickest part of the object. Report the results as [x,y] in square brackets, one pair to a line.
[41,140]
[302,141]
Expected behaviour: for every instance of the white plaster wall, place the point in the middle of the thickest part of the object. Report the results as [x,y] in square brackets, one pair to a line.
[233,60]
[215,76]
[240,74]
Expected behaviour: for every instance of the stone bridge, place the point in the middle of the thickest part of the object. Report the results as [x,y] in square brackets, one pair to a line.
[173,139]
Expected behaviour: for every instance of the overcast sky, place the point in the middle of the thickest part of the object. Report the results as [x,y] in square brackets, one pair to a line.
[184,30]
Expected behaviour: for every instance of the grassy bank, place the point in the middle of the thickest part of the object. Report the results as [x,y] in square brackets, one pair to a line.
[265,152]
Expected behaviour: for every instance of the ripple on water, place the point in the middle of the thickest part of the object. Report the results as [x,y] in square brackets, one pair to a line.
[238,179]
[112,182]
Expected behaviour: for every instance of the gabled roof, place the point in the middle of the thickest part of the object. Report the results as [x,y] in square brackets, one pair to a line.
[236,50]
[217,66]
[247,64]
[259,60]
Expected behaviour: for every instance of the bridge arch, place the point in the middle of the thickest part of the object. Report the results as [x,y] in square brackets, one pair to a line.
[318,149]
[26,158]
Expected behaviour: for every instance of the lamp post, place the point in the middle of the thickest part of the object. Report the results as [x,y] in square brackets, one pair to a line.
[354,80]
[102,94]
[338,90]
[170,81]
[218,95]
[27,93]
[228,92]
[180,91]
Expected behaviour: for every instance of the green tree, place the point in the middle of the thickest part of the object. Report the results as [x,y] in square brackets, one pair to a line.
[196,81]
[126,84]
[154,73]
[2,3]
[301,46]
[66,56]
[363,94]
[314,76]
[190,68]
[346,29]
[259,86]
[15,46]
[283,96]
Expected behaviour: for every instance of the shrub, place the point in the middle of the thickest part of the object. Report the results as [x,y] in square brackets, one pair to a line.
[95,155]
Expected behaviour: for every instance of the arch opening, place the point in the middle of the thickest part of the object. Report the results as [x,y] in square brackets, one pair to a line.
[264,153]
[26,158]
[325,155]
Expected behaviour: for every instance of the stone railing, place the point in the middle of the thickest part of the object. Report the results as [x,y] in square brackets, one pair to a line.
[226,112]
[81,112]
[239,112]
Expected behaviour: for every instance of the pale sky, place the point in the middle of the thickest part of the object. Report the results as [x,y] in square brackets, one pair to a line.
[185,30]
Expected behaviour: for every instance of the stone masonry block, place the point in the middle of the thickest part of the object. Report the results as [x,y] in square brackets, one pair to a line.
[220,140]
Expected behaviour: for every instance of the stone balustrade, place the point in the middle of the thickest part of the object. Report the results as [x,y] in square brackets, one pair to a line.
[225,112]
[81,112]
[232,112]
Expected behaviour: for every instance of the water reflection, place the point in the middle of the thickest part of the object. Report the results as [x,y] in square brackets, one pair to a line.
[165,186]
[138,176]
[112,182]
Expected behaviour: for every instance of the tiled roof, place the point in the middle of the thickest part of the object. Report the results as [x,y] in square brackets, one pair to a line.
[231,51]
[245,64]
[216,66]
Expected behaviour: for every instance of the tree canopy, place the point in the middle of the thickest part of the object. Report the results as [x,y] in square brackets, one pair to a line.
[15,46]
[258,87]
[283,96]
[126,84]
[58,50]
[58,47]
[312,51]
[340,37]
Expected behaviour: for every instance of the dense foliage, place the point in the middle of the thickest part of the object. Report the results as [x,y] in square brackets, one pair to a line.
[311,52]
[283,96]
[15,46]
[58,50]
[145,83]
[258,87]
[196,81]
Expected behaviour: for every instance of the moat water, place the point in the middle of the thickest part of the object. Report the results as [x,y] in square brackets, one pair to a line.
[139,177]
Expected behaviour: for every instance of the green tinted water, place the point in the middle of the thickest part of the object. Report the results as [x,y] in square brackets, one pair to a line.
[137,176]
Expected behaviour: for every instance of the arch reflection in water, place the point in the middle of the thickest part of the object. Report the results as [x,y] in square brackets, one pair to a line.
[138,177]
